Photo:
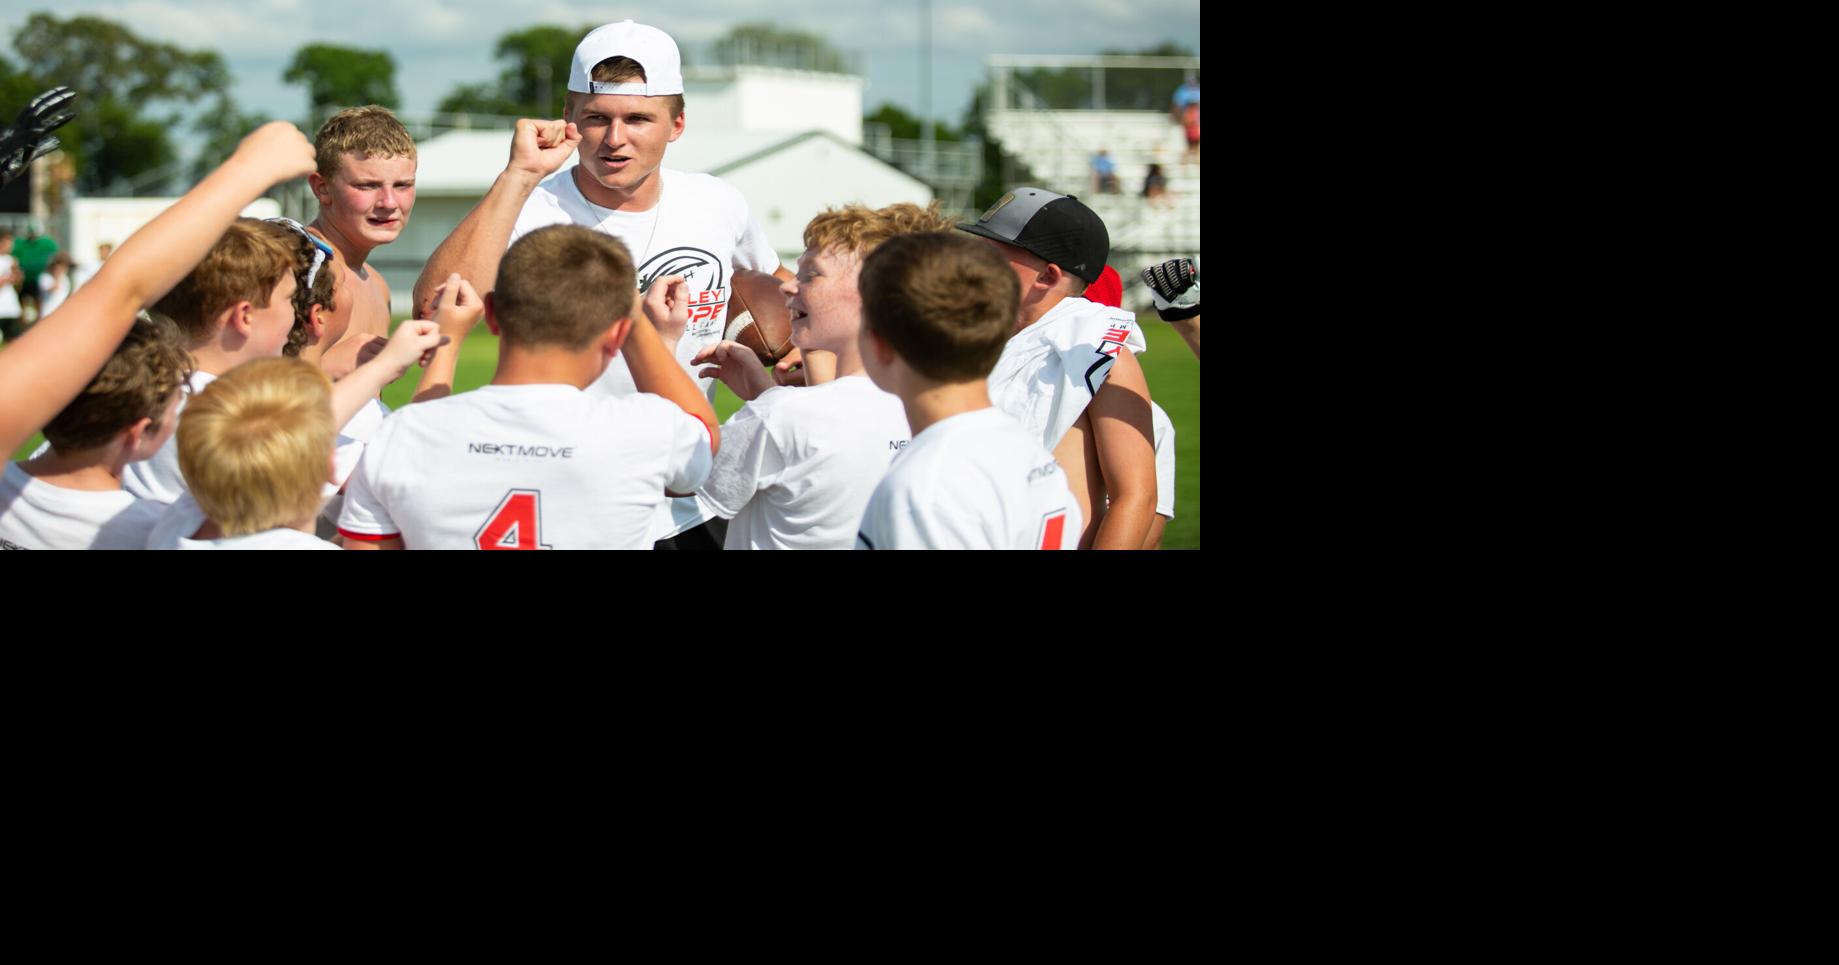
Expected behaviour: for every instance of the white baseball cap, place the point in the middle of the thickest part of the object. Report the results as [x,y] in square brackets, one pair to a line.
[651,47]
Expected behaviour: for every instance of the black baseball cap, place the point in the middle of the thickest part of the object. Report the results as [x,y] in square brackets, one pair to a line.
[1053,227]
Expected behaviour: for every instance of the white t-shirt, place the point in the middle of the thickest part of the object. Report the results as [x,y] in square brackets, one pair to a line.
[1049,371]
[35,515]
[524,467]
[183,518]
[974,481]
[9,299]
[700,229]
[348,449]
[798,464]
[51,293]
[159,478]
[1165,460]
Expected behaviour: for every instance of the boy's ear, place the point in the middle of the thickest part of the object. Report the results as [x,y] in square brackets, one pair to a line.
[1050,277]
[491,313]
[132,436]
[237,317]
[322,192]
[316,323]
[883,352]
[615,337]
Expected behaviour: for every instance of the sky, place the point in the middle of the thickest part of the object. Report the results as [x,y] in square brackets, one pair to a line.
[439,44]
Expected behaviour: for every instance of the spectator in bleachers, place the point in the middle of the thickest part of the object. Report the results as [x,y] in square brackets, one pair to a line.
[1104,173]
[1184,107]
[1156,187]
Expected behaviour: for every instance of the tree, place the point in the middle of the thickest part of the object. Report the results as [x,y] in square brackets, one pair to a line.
[223,127]
[535,76]
[123,79]
[766,43]
[338,77]
[904,126]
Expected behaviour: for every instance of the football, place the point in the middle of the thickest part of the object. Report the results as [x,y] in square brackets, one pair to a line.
[765,324]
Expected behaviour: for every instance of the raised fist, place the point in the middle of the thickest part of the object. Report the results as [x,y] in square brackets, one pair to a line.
[1174,288]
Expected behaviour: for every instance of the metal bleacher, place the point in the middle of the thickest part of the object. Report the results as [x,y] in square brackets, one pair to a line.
[1056,133]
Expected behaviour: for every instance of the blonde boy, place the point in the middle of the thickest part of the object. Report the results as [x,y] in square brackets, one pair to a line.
[800,463]
[938,311]
[71,497]
[256,448]
[365,186]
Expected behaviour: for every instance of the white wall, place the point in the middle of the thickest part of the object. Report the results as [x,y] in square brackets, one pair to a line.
[786,189]
[88,222]
[771,100]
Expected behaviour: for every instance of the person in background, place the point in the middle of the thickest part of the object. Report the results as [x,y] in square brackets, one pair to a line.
[54,285]
[87,270]
[33,253]
[1104,172]
[10,324]
[1156,186]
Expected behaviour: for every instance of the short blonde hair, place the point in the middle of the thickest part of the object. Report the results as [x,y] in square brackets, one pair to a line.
[857,230]
[244,265]
[256,445]
[371,131]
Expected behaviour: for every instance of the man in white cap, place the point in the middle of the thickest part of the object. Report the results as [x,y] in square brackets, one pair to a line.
[624,108]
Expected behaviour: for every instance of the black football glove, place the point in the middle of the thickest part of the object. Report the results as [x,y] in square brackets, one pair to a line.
[30,136]
[1174,288]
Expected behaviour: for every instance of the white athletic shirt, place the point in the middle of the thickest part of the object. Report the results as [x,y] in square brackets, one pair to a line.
[524,467]
[974,481]
[1049,371]
[798,464]
[9,299]
[700,229]
[1165,460]
[51,292]
[348,449]
[35,515]
[159,478]
[183,518]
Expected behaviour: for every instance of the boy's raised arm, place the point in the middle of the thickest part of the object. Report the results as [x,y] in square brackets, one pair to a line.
[653,361]
[477,244]
[49,365]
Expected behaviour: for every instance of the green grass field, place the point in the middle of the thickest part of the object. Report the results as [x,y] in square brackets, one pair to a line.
[1174,381]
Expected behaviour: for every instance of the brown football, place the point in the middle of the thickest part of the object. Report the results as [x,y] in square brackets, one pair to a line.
[769,334]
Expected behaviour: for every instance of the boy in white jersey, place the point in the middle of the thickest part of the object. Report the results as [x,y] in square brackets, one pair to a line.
[801,463]
[937,312]
[71,497]
[256,447]
[533,460]
[237,305]
[1070,373]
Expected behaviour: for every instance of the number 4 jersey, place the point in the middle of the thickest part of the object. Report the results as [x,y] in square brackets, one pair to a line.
[524,467]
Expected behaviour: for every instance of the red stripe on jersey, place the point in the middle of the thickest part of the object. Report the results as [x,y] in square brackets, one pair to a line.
[367,537]
[1056,528]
